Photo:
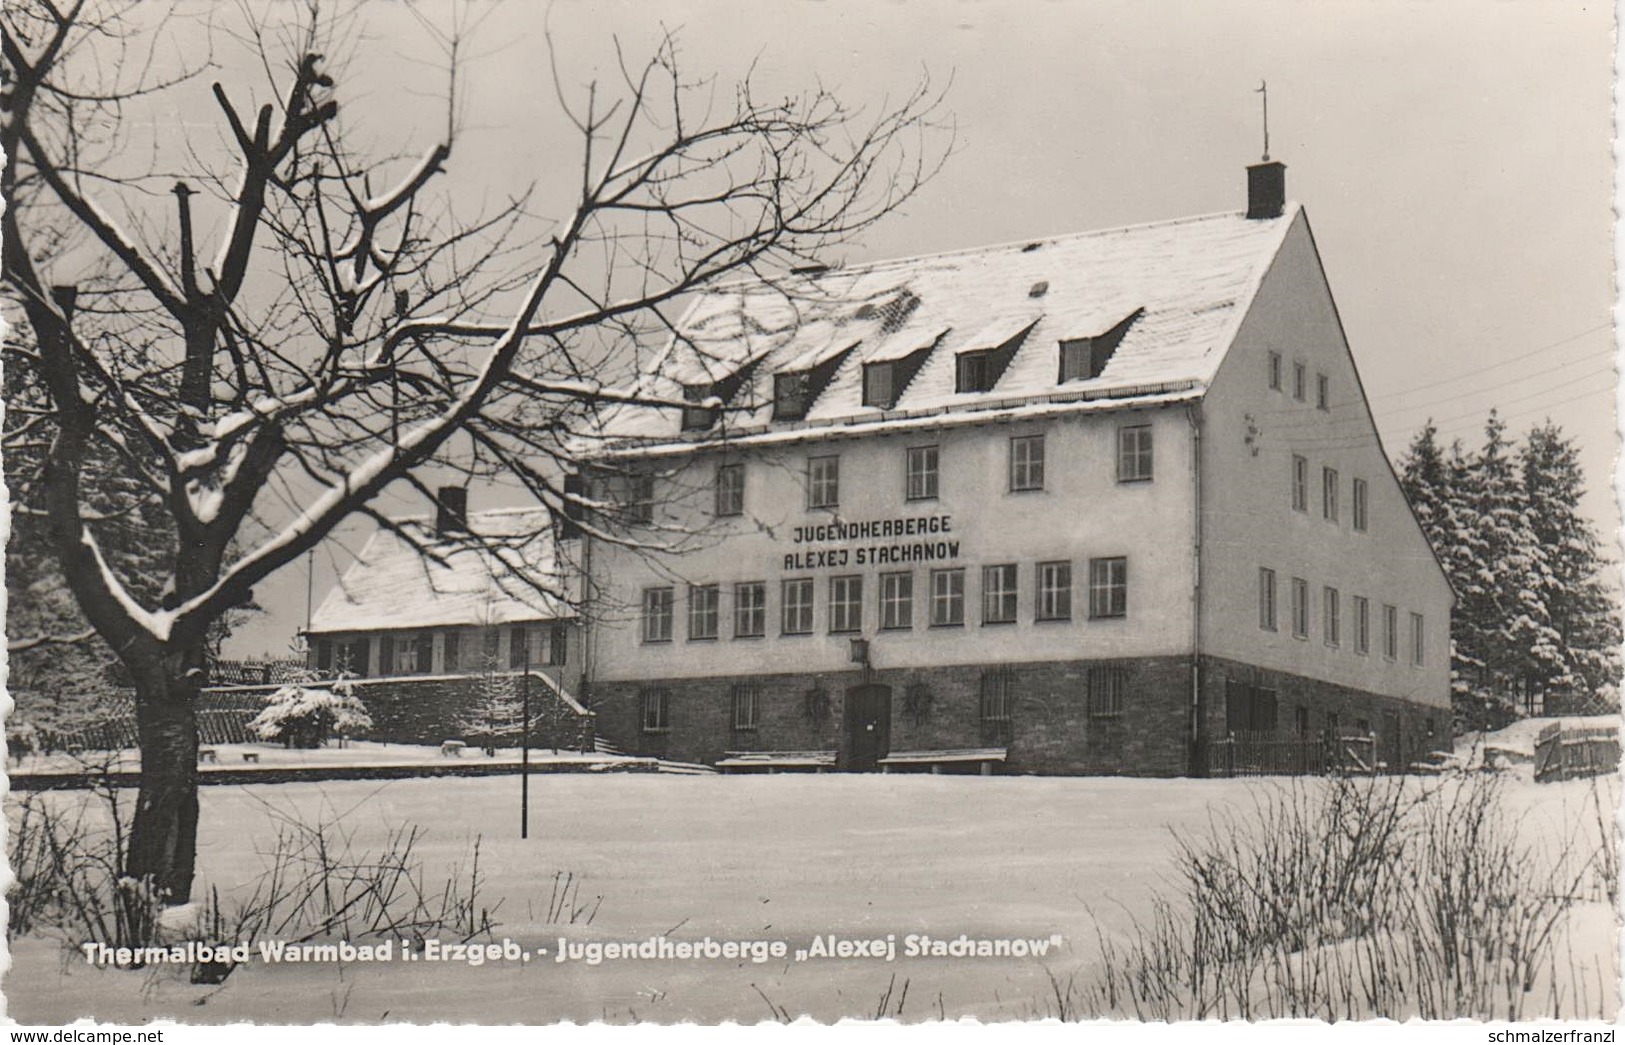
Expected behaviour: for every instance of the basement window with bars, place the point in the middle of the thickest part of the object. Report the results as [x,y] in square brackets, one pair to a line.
[656,710]
[996,695]
[747,704]
[1107,685]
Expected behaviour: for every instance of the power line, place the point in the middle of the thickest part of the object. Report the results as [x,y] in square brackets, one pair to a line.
[1532,355]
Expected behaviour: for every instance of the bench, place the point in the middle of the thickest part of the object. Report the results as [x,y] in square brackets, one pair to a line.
[251,756]
[206,754]
[452,748]
[777,761]
[983,758]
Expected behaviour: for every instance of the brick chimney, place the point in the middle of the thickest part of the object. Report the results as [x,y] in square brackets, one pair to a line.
[451,509]
[1266,189]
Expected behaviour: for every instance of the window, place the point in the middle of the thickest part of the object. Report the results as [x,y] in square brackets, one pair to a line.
[324,655]
[973,371]
[999,594]
[351,658]
[896,600]
[493,643]
[1323,392]
[656,710]
[1300,719]
[877,385]
[558,645]
[1275,371]
[449,658]
[797,607]
[730,489]
[1108,588]
[1418,640]
[1107,685]
[921,474]
[702,611]
[1266,598]
[640,505]
[657,614]
[697,417]
[1359,505]
[1054,591]
[386,655]
[1027,463]
[750,610]
[1362,625]
[791,395]
[1299,379]
[1328,494]
[747,704]
[947,598]
[1086,357]
[845,604]
[823,482]
[1249,708]
[996,695]
[1390,632]
[1331,611]
[1134,454]
[1300,608]
[518,648]
[1300,484]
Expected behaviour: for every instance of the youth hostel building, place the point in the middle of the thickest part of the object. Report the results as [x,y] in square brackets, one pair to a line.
[1075,505]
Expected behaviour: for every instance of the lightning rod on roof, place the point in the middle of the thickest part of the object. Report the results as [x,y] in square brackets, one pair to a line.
[1264,89]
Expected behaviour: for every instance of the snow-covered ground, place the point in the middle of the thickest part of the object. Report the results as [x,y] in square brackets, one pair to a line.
[756,858]
[360,753]
[1516,742]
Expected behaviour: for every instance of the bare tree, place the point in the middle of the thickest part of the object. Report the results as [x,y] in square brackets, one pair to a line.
[342,337]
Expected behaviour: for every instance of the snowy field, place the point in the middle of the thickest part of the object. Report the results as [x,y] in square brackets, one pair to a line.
[755,858]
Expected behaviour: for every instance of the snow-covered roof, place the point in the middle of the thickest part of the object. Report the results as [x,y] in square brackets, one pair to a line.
[393,584]
[1182,286]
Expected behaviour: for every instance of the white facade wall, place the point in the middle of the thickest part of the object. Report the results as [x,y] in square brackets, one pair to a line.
[1251,433]
[1083,512]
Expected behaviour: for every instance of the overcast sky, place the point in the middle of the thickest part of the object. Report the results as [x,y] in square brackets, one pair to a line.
[1454,160]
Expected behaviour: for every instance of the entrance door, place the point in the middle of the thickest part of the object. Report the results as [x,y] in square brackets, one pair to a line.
[868,727]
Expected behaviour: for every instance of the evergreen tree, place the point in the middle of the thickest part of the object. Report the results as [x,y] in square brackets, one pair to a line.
[1533,616]
[1580,654]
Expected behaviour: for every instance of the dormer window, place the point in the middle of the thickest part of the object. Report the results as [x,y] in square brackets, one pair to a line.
[791,396]
[879,388]
[697,418]
[974,371]
[1084,358]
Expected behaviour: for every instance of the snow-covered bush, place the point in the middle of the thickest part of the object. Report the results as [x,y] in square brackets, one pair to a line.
[301,716]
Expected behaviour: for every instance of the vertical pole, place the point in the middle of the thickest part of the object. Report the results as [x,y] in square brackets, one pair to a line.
[524,742]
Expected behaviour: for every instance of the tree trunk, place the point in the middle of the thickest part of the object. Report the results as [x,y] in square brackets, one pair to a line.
[163,834]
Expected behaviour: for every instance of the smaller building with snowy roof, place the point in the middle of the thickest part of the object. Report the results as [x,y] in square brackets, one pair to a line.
[431,607]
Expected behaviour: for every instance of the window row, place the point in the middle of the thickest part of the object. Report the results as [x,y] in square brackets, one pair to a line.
[1332,619]
[1105,695]
[1331,486]
[1300,382]
[896,601]
[413,653]
[922,471]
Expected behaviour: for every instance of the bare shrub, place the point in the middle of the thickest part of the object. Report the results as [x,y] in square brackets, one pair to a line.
[1354,899]
[315,883]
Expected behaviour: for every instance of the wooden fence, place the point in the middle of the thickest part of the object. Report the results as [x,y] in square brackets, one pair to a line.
[1566,752]
[1265,753]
